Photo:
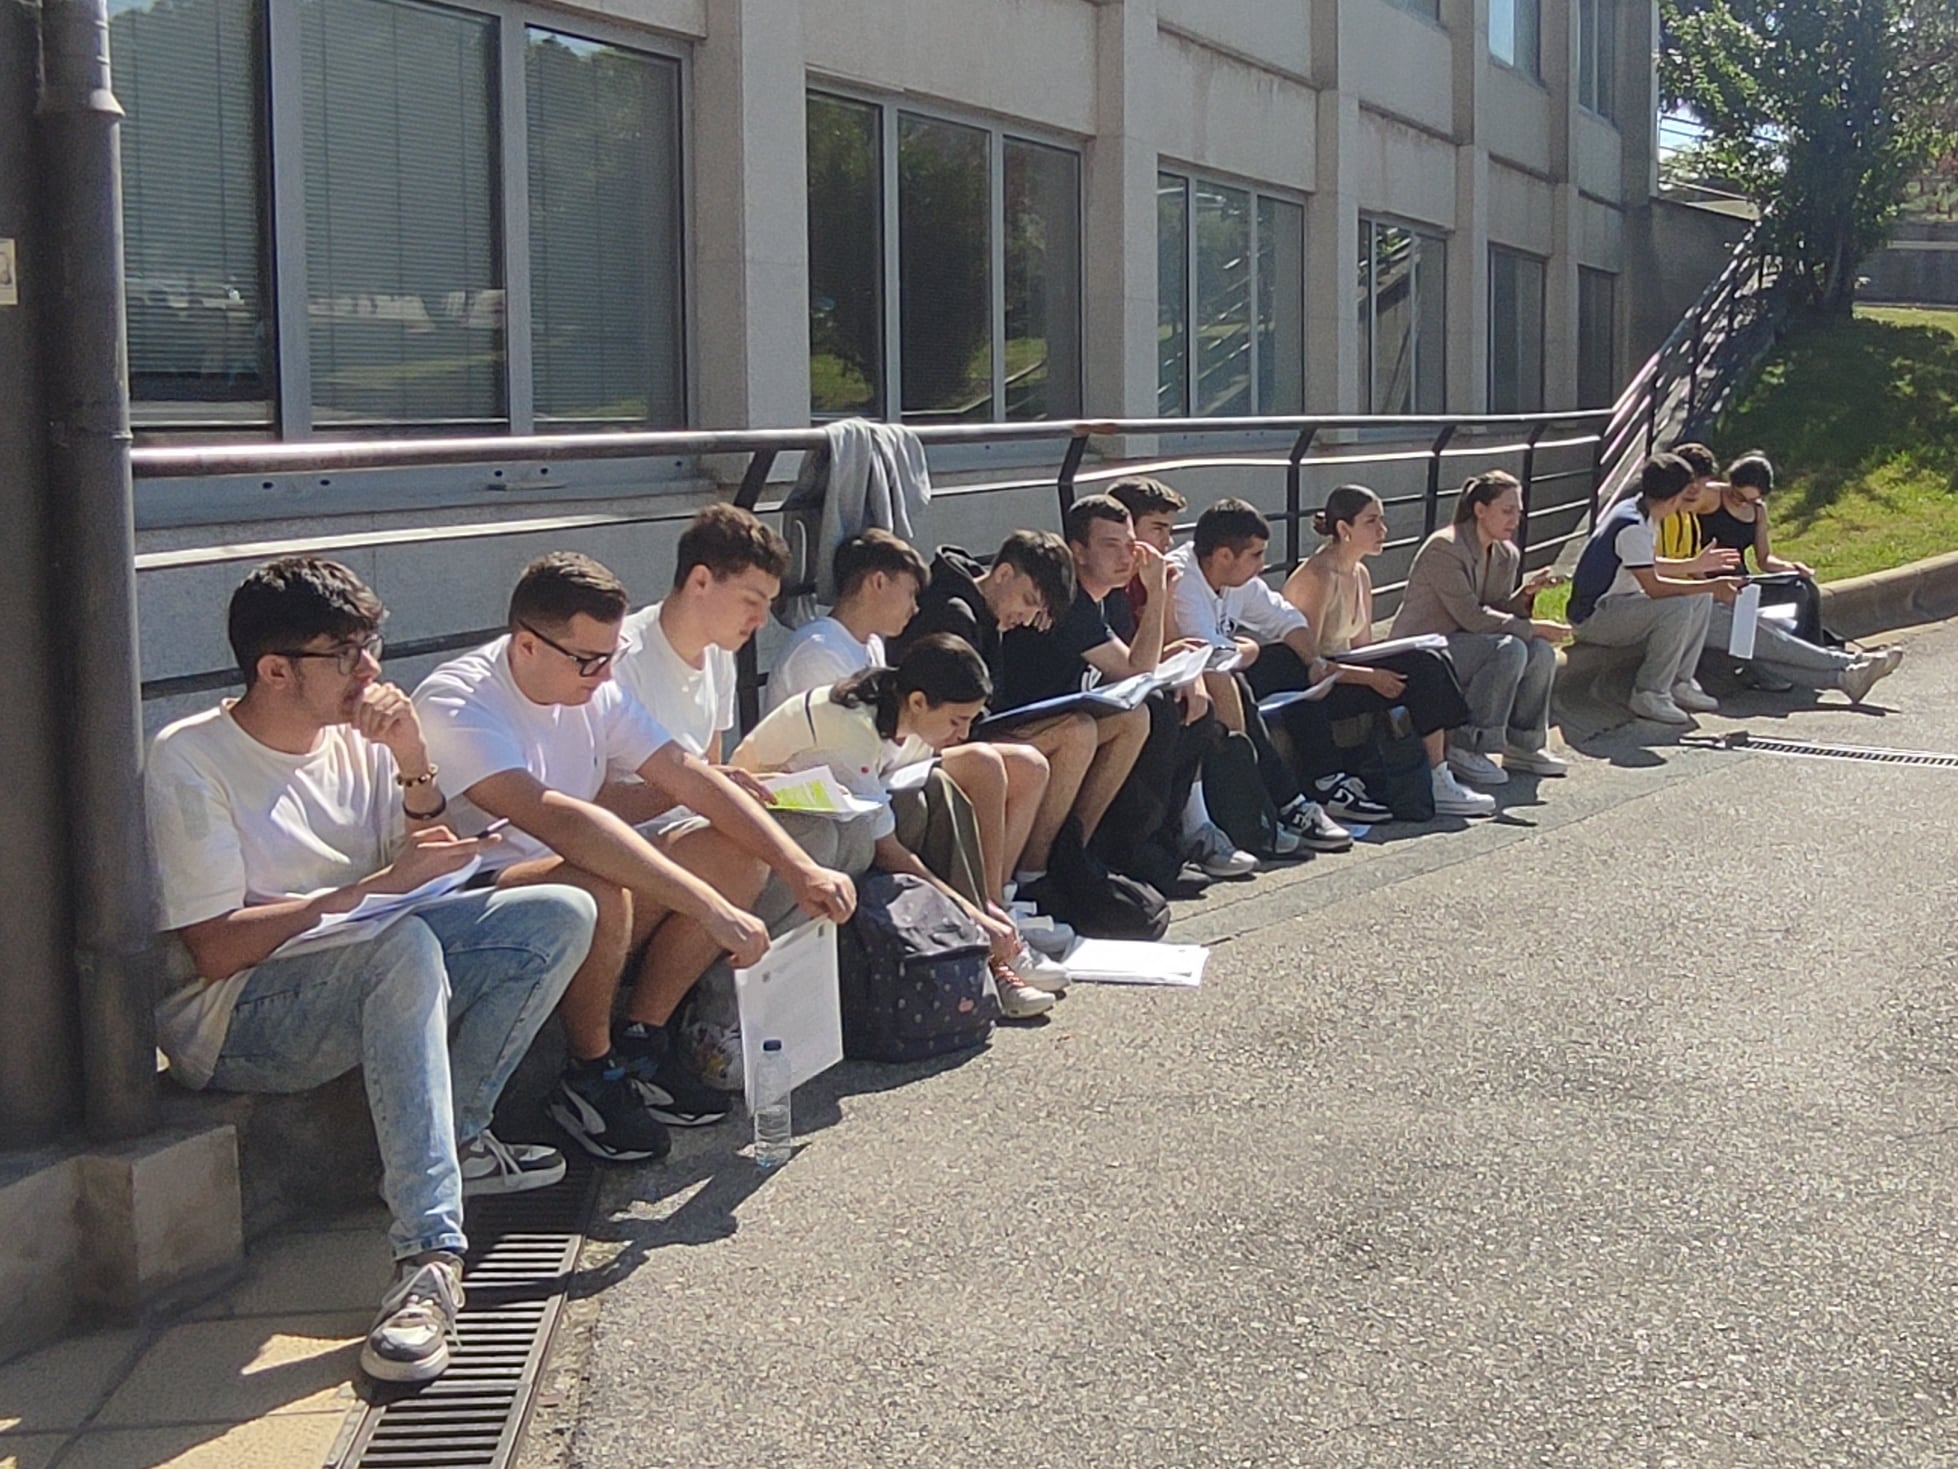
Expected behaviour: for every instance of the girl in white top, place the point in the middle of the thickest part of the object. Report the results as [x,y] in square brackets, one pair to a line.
[876,723]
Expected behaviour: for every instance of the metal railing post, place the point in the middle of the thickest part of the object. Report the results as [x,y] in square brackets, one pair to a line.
[1432,505]
[1294,490]
[747,662]
[1529,484]
[1693,365]
[1077,448]
[1652,416]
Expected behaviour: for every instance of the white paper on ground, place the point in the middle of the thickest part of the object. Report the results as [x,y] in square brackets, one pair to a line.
[790,996]
[1315,693]
[1122,961]
[815,792]
[1747,616]
[374,913]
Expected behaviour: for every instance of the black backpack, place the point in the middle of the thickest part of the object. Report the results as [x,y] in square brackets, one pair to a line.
[1234,790]
[1097,903]
[913,973]
[1393,765]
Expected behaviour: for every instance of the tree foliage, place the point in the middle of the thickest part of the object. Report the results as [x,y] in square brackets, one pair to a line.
[1821,111]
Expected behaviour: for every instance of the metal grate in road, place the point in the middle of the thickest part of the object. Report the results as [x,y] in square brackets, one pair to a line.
[1807,749]
[473,1415]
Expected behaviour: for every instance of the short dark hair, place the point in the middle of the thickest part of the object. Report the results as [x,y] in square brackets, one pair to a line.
[1484,489]
[1141,495]
[287,603]
[557,587]
[942,666]
[1752,471]
[728,540]
[1664,477]
[872,551]
[1084,512]
[1699,458]
[1042,557]
[1230,525]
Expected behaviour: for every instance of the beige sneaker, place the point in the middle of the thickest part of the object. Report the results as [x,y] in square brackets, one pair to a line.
[1019,1000]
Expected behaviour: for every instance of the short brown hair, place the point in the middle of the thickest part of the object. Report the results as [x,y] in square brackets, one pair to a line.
[728,540]
[1141,495]
[1044,559]
[1699,459]
[1084,512]
[1230,525]
[875,550]
[556,588]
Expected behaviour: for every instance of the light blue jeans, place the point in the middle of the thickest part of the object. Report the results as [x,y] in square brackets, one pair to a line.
[436,1010]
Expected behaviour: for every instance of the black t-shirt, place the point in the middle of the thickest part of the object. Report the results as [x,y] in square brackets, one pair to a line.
[1036,665]
[952,602]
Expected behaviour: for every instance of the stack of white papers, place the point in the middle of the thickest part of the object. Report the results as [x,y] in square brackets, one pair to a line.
[375,912]
[1118,961]
[791,996]
[816,792]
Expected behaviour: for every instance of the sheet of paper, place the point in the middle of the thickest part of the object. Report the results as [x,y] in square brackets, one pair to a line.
[1185,667]
[1747,617]
[1374,652]
[1315,693]
[791,997]
[1121,961]
[1226,660]
[815,792]
[375,912]
[910,777]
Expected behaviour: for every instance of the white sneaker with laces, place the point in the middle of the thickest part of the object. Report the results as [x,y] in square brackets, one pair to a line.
[1213,851]
[410,1339]
[1861,676]
[1657,707]
[492,1166]
[1694,699]
[1452,799]
[1533,762]
[1476,768]
[1019,1000]
[1038,970]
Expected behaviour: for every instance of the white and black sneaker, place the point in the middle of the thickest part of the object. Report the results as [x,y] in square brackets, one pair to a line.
[410,1339]
[673,1093]
[1316,831]
[492,1166]
[605,1114]
[1345,796]
[1218,856]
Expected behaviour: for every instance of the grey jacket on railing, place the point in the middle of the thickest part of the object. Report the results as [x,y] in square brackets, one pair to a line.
[1452,587]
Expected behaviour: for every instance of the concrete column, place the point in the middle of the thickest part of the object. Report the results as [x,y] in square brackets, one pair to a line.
[1561,347]
[751,217]
[1638,98]
[1120,183]
[1468,246]
[1333,369]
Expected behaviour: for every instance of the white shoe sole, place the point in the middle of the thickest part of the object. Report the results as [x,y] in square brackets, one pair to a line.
[382,1370]
[1495,777]
[512,1183]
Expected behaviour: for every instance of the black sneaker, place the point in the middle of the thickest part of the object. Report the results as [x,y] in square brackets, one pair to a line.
[671,1091]
[605,1114]
[1316,831]
[1345,796]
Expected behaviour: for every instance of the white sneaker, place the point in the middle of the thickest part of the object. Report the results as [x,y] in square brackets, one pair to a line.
[1657,707]
[1019,1000]
[492,1166]
[1218,856]
[1451,799]
[1476,768]
[1038,970]
[1861,676]
[410,1339]
[1534,762]
[1694,699]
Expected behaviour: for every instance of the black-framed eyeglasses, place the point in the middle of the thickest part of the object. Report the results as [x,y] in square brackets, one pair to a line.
[590,665]
[346,657]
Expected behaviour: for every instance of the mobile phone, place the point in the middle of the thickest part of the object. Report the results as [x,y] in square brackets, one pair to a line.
[494,827]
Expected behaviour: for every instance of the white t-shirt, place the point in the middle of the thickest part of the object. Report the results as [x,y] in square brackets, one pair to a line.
[820,653]
[234,822]
[1253,610]
[1637,546]
[478,723]
[810,730]
[694,705]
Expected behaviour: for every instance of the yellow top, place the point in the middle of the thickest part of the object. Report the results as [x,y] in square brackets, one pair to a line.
[1680,538]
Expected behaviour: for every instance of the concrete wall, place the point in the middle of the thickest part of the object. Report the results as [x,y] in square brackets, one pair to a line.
[1920,265]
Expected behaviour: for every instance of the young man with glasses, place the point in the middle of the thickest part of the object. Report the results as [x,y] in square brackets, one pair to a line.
[295,802]
[531,728]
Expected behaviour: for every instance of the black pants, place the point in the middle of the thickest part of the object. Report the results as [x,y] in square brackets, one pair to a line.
[1141,836]
[1281,781]
[1433,700]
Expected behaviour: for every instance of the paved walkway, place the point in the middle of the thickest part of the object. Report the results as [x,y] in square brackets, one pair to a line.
[1631,1145]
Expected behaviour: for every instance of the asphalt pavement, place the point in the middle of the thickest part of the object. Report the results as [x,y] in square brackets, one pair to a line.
[1622,1130]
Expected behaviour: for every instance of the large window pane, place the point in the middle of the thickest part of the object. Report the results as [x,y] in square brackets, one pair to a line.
[405,305]
[1431,325]
[1597,339]
[1513,33]
[1393,319]
[1173,294]
[846,258]
[1597,55]
[604,232]
[1043,281]
[1515,333]
[1403,319]
[1281,307]
[944,267]
[1223,306]
[200,323]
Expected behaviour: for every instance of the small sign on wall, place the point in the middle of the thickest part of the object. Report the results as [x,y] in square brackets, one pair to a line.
[9,275]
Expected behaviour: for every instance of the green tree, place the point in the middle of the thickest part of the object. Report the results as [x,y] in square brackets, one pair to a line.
[1820,110]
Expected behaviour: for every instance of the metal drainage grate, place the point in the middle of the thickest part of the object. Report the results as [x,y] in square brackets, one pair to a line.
[473,1415]
[1866,754]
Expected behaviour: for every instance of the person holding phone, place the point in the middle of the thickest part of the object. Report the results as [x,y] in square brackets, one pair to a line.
[1467,586]
[312,792]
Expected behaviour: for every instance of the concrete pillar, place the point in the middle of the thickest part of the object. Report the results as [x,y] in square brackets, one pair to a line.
[751,257]
[1333,369]
[1638,98]
[1120,182]
[1561,348]
[1468,246]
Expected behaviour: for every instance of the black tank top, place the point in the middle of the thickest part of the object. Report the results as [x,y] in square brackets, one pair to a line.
[1722,527]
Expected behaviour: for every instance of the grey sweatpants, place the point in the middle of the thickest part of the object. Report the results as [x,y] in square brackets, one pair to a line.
[1506,680]
[1672,630]
[1780,652]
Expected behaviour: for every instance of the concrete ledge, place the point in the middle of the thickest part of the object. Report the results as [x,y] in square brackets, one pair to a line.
[1905,596]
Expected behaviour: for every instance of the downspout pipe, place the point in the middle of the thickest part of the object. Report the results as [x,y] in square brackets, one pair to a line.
[85,375]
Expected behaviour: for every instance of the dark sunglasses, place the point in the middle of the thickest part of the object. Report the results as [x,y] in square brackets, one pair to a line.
[590,665]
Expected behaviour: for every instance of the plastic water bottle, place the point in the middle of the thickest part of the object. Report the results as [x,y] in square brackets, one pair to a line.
[774,1134]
